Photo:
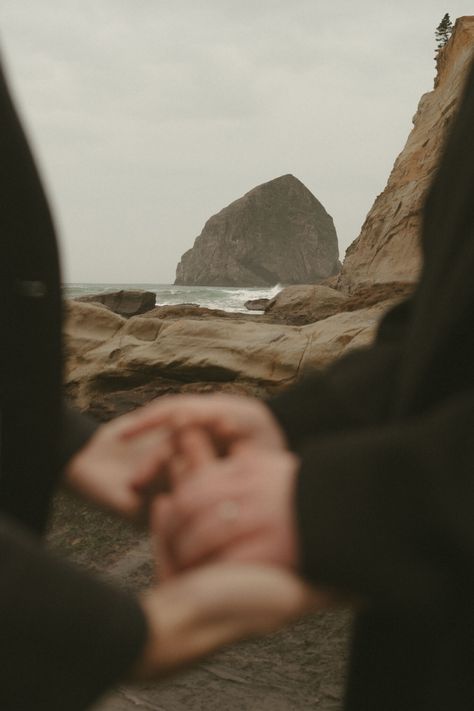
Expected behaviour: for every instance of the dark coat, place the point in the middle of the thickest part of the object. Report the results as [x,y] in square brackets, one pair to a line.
[385,497]
[64,636]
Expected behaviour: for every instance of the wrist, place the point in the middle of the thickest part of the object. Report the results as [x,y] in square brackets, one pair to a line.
[73,472]
[170,619]
[187,619]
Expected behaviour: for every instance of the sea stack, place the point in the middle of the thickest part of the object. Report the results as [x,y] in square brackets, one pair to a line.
[276,233]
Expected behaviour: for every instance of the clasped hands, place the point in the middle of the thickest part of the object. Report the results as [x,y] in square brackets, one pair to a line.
[219,483]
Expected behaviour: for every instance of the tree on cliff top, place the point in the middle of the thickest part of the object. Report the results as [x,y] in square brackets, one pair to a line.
[443,32]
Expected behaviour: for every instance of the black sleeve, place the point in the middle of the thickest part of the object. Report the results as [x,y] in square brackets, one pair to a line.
[65,637]
[76,430]
[387,512]
[357,390]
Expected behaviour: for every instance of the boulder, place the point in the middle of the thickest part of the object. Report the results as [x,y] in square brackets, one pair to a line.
[126,302]
[277,232]
[388,247]
[305,304]
[256,304]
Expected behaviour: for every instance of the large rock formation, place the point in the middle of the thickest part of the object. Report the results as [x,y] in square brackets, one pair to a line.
[276,233]
[387,248]
[114,364]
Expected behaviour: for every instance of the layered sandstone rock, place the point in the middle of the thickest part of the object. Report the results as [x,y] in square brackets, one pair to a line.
[276,233]
[305,304]
[387,249]
[126,302]
[114,365]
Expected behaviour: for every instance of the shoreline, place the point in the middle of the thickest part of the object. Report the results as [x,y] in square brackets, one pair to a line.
[227,298]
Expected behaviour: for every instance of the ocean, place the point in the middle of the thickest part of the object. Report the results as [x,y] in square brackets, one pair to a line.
[213,297]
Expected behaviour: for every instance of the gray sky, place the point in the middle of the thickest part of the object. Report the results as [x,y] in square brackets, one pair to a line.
[148,116]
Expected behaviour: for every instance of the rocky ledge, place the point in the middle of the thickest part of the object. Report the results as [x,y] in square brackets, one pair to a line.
[388,247]
[116,364]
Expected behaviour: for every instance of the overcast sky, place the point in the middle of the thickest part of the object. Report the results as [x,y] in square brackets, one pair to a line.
[149,116]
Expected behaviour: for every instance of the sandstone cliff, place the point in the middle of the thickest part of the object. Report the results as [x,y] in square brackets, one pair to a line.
[387,248]
[276,233]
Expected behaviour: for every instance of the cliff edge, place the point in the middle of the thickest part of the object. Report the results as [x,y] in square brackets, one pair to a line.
[387,249]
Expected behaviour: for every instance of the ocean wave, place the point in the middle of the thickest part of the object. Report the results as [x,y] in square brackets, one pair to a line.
[226,298]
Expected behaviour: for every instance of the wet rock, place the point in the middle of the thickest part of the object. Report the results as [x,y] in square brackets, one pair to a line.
[257,304]
[126,302]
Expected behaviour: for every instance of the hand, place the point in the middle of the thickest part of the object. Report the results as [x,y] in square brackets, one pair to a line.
[118,473]
[192,615]
[230,420]
[237,508]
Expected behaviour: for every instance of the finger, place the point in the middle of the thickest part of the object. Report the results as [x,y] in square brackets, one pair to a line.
[177,466]
[204,490]
[212,534]
[197,448]
[193,449]
[274,596]
[128,425]
[254,548]
[229,433]
[161,535]
[228,429]
[175,411]
[126,503]
[153,465]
